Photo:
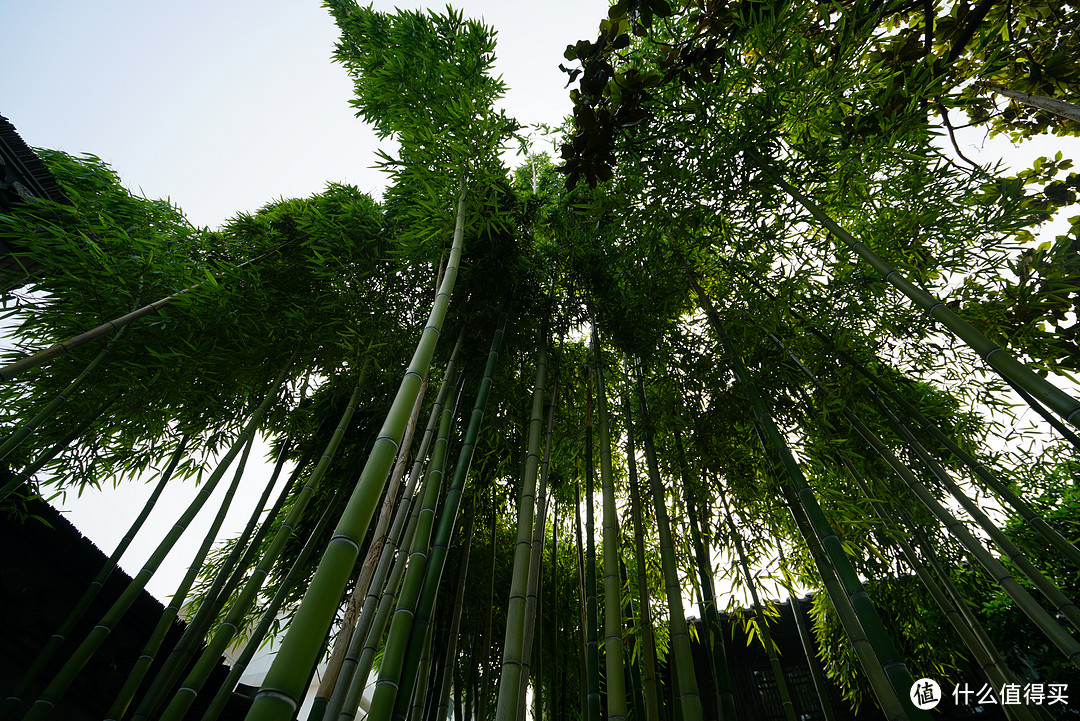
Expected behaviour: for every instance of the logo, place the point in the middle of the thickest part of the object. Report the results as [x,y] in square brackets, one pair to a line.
[925,694]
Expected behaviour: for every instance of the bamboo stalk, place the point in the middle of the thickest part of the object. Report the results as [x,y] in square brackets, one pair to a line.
[352,697]
[1033,519]
[164,624]
[820,685]
[986,655]
[27,473]
[45,656]
[763,625]
[283,687]
[995,659]
[896,670]
[633,671]
[437,556]
[582,623]
[455,621]
[390,670]
[510,681]
[1046,623]
[418,691]
[49,410]
[398,536]
[52,693]
[725,697]
[592,622]
[44,356]
[1046,415]
[953,607]
[229,627]
[295,573]
[688,701]
[614,654]
[222,589]
[871,665]
[529,674]
[557,671]
[1053,594]
[994,355]
[536,557]
[1060,108]
[484,683]
[1063,604]
[983,473]
[367,570]
[653,699]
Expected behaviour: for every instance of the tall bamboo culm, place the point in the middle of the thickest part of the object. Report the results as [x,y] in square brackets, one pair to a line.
[47,653]
[50,409]
[686,689]
[941,589]
[536,559]
[224,585]
[255,640]
[164,624]
[759,612]
[425,606]
[992,354]
[510,679]
[653,699]
[349,691]
[774,445]
[228,628]
[1046,623]
[219,594]
[821,687]
[370,622]
[387,688]
[26,474]
[448,674]
[614,654]
[283,687]
[592,622]
[60,683]
[725,695]
[56,350]
[381,538]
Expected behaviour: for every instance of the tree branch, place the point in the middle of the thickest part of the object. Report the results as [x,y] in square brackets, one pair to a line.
[952,136]
[974,20]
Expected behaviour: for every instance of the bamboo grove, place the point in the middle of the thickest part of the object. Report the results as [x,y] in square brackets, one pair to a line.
[545,438]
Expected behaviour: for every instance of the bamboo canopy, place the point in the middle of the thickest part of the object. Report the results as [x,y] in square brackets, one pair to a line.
[760,332]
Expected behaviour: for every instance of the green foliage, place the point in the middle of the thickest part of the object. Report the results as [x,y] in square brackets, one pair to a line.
[673,218]
[423,79]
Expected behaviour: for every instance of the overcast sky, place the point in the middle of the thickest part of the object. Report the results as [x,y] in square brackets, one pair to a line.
[224,105]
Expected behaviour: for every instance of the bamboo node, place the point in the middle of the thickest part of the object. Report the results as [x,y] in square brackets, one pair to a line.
[351,542]
[271,693]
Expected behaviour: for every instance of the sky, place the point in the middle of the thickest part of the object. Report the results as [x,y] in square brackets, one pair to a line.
[223,106]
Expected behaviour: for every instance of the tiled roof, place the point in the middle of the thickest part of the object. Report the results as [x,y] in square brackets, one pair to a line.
[22,175]
[21,171]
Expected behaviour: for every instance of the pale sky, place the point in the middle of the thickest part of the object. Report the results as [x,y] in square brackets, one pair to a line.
[225,105]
